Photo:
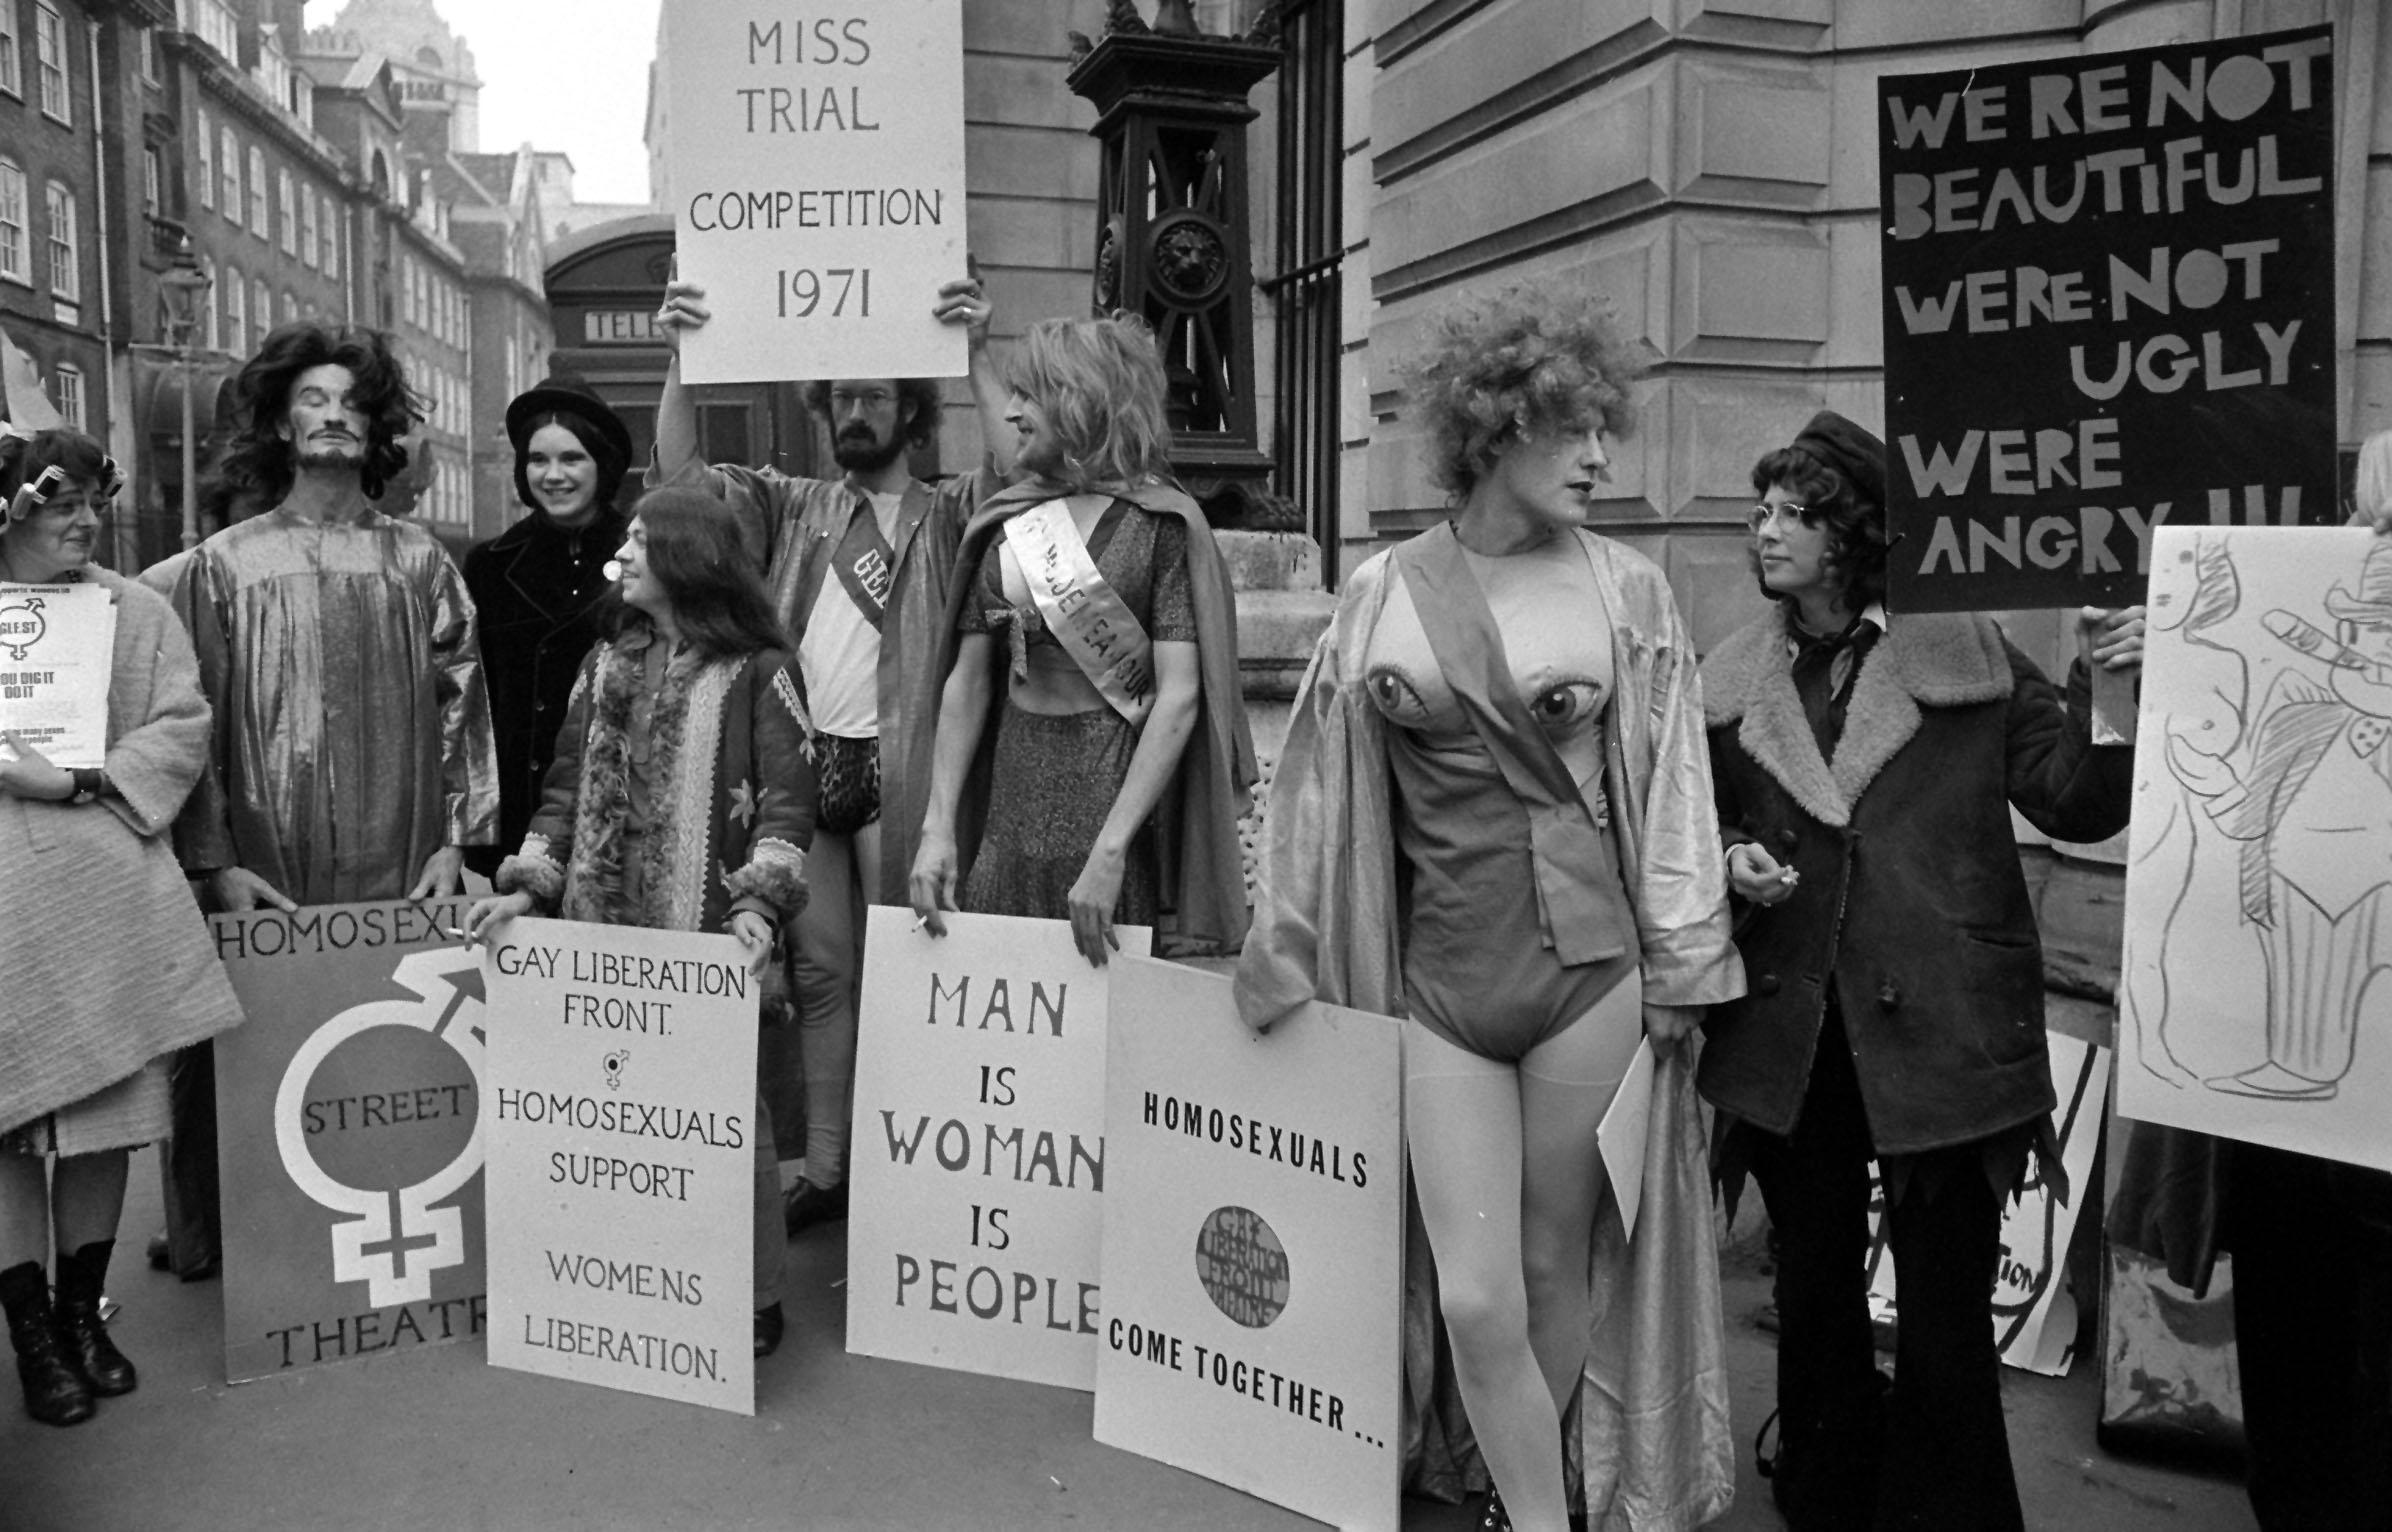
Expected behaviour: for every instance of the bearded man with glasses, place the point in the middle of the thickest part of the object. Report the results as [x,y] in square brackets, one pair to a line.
[858,568]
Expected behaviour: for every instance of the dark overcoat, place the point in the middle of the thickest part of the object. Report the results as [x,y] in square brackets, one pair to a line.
[541,592]
[1911,901]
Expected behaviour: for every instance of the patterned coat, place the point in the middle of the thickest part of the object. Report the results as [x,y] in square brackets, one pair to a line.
[731,787]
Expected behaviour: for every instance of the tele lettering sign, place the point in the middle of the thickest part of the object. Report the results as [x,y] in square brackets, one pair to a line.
[2108,304]
[818,181]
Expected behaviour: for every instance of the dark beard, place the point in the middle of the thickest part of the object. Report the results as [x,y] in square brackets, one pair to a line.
[332,455]
[858,455]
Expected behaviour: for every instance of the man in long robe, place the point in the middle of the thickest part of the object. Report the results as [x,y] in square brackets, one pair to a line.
[352,757]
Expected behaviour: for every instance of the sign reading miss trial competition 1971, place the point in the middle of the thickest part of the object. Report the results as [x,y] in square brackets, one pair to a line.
[349,1133]
[622,1174]
[818,185]
[2109,302]
[1253,1245]
[979,1147]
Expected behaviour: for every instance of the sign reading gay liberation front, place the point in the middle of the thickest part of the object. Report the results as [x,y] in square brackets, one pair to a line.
[57,644]
[818,183]
[2109,303]
[2261,878]
[622,1171]
[979,1147]
[2034,1316]
[1253,1245]
[349,1133]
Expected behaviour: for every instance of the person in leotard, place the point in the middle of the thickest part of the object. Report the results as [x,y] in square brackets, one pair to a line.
[1511,700]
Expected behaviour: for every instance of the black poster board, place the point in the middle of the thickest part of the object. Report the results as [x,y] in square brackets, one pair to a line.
[2109,302]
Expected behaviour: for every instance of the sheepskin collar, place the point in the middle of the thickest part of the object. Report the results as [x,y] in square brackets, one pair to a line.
[1925,659]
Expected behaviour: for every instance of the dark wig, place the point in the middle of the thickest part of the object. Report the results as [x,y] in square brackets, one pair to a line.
[693,550]
[261,461]
[23,459]
[1856,542]
[922,393]
[610,464]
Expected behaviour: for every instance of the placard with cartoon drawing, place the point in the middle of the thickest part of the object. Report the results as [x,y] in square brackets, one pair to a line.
[2259,886]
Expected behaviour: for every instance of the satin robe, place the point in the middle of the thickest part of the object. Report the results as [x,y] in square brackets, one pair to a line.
[352,731]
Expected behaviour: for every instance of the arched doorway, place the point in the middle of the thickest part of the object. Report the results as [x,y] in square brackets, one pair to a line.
[604,285]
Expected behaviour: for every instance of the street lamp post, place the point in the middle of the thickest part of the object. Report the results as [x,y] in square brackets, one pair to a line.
[183,288]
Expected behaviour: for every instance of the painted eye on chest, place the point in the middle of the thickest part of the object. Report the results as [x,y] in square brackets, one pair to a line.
[1395,696]
[1567,705]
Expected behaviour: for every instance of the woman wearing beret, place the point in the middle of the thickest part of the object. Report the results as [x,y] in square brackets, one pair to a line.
[1865,769]
[539,585]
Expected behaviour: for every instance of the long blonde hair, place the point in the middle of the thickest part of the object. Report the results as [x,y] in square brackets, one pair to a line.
[1101,386]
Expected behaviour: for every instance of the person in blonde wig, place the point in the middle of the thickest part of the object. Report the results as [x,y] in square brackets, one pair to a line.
[1094,615]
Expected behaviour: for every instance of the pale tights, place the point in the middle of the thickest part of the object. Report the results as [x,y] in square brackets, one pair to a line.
[1509,1178]
[85,1193]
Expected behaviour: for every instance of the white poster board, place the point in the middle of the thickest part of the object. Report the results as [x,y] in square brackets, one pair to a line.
[2034,1315]
[1253,1245]
[2259,880]
[621,1176]
[979,1147]
[817,161]
[57,646]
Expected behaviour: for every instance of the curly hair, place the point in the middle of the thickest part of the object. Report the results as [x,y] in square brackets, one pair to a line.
[261,461]
[1101,386]
[1856,540]
[922,393]
[693,550]
[1520,362]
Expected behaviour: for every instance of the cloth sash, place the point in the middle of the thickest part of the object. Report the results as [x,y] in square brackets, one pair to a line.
[1577,881]
[1086,615]
[866,564]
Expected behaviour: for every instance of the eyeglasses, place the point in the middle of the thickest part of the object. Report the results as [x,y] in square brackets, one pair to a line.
[1789,514]
[870,398]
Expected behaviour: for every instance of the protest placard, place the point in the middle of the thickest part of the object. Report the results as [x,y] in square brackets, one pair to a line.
[2034,1315]
[2262,870]
[622,1078]
[349,1133]
[817,186]
[1253,1245]
[57,647]
[979,1147]
[2108,303]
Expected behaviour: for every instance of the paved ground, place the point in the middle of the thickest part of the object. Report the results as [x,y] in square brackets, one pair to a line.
[433,1439]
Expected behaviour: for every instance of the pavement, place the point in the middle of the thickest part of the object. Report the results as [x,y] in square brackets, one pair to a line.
[431,1438]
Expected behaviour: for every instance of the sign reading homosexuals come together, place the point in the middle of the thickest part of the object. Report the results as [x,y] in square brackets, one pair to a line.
[1253,1245]
[818,176]
[349,1133]
[622,1091]
[972,1235]
[2109,303]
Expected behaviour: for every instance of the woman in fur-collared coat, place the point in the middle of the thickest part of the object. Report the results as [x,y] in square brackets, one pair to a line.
[1865,769]
[681,797]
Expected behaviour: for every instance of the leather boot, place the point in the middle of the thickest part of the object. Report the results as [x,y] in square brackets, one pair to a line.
[55,1393]
[80,1328]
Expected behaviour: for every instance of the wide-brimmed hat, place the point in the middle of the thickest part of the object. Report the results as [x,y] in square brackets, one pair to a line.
[570,393]
[2372,601]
